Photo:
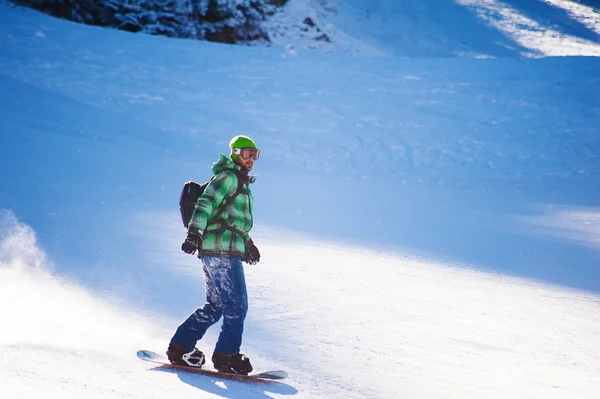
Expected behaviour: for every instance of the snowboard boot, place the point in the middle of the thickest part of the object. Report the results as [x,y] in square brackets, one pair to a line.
[182,357]
[233,364]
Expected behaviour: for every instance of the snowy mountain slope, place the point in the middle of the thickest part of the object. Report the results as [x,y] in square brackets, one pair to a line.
[494,127]
[442,332]
[546,27]
[388,190]
[474,28]
[479,105]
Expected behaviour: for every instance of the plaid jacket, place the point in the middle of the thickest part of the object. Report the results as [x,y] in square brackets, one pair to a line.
[225,222]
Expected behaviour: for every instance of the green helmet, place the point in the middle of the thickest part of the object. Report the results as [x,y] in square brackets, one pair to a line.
[239,142]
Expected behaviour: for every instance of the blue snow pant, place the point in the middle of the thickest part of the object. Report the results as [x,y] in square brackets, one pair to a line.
[225,296]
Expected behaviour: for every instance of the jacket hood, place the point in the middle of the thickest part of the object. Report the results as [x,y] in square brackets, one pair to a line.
[225,163]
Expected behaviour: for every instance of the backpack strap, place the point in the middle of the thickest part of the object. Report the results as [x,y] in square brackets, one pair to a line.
[222,227]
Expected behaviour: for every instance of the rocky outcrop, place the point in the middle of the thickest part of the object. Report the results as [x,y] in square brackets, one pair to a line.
[225,21]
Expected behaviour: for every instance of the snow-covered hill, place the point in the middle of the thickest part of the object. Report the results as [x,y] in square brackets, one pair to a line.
[440,28]
[471,28]
[429,226]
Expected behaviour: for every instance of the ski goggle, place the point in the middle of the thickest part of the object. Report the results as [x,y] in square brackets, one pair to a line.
[247,153]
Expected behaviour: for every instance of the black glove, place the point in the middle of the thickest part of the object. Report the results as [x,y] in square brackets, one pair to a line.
[192,242]
[252,254]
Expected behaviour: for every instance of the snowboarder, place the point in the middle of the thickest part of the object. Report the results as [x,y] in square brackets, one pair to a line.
[218,231]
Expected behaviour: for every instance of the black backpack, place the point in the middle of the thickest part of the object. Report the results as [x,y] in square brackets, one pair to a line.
[190,194]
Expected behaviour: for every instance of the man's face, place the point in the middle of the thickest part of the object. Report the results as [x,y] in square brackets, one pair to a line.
[246,158]
[246,164]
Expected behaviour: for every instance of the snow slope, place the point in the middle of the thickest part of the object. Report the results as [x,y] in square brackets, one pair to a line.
[441,28]
[429,226]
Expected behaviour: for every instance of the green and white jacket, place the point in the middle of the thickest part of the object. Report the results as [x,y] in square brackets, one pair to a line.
[223,213]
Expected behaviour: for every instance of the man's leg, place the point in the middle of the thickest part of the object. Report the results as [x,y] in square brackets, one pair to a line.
[195,326]
[228,278]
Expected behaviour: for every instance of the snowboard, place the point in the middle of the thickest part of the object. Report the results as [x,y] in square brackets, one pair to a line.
[154,357]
